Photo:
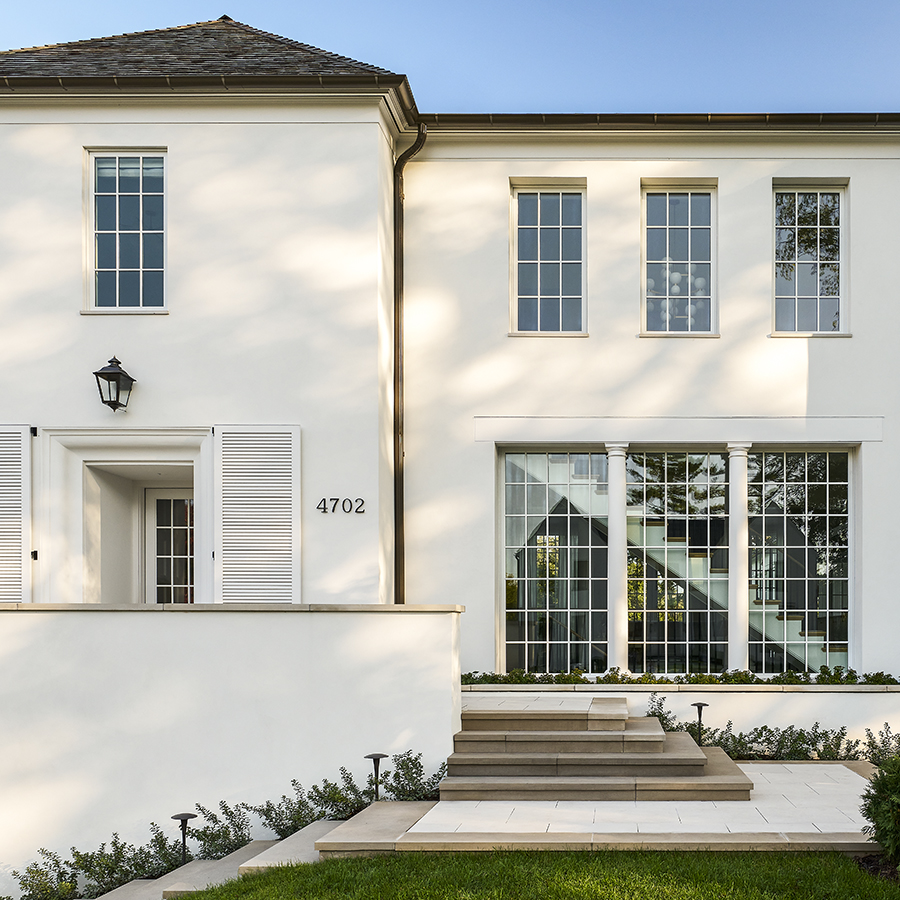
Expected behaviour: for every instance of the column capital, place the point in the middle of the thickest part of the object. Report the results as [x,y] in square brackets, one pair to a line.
[616,449]
[738,449]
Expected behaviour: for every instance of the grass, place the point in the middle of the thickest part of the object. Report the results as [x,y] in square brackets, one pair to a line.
[600,875]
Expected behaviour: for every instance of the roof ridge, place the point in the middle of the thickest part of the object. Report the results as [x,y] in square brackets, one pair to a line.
[223,20]
[292,43]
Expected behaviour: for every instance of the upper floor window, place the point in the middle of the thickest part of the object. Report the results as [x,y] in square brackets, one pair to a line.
[128,245]
[549,252]
[808,261]
[678,256]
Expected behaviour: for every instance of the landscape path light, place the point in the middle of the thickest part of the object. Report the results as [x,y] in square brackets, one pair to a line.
[699,706]
[184,818]
[114,384]
[376,761]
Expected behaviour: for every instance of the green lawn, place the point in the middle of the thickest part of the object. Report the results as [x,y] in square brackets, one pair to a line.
[604,875]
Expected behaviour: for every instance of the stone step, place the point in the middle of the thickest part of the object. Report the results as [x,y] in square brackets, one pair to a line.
[193,876]
[681,756]
[641,735]
[299,847]
[722,780]
[525,714]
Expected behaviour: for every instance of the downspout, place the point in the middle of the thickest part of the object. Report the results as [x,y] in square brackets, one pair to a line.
[399,527]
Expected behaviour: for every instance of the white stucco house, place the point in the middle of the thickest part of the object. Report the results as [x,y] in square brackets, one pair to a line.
[414,394]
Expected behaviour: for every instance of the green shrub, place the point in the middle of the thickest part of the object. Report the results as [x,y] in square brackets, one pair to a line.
[878,749]
[289,814]
[48,878]
[407,780]
[764,742]
[881,806]
[344,800]
[221,836]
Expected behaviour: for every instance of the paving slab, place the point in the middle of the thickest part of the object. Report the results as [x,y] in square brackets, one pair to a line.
[375,829]
[299,847]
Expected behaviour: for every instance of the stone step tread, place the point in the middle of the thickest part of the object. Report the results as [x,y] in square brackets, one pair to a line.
[598,713]
[299,847]
[577,704]
[722,779]
[637,728]
[673,758]
[193,876]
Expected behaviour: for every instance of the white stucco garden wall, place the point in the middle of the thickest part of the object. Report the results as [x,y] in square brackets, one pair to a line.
[116,718]
[462,364]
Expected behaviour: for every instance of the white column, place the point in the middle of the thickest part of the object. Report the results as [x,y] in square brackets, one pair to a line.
[617,571]
[738,561]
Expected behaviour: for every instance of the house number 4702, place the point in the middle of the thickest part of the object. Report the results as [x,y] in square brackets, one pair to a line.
[341,504]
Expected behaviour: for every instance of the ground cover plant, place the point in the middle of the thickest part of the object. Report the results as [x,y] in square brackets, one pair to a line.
[598,875]
[825,675]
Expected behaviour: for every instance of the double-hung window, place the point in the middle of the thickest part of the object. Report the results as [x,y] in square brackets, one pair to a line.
[679,244]
[549,254]
[808,261]
[128,234]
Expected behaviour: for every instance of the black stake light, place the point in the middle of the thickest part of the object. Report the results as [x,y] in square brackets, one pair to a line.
[184,818]
[699,706]
[376,761]
[114,384]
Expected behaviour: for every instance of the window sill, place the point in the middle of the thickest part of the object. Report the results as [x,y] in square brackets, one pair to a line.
[811,334]
[679,334]
[124,311]
[548,334]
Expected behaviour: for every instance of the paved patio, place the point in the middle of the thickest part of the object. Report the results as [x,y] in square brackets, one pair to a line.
[794,805]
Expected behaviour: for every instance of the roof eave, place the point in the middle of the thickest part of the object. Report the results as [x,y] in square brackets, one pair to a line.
[520,122]
[118,85]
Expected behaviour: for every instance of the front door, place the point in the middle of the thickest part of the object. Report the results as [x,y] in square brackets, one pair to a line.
[170,545]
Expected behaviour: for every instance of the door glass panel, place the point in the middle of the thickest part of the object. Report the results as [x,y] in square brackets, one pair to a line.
[174,548]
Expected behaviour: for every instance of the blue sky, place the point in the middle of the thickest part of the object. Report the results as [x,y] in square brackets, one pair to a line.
[563,56]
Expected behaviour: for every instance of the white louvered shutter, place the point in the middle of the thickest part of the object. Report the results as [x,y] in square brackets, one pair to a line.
[257,552]
[15,515]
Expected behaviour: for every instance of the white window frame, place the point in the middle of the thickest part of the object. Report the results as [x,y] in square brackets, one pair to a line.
[687,187]
[566,186]
[816,186]
[90,306]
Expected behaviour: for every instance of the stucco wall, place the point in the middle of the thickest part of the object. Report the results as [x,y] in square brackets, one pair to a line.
[462,364]
[278,277]
[116,718]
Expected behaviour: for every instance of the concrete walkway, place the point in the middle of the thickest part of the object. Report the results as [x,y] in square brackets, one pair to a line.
[801,806]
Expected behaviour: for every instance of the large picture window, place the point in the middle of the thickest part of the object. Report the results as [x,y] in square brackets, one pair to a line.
[549,261]
[678,255]
[556,555]
[635,558]
[127,194]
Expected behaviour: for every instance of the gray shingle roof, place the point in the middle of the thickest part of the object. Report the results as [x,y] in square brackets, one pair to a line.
[221,47]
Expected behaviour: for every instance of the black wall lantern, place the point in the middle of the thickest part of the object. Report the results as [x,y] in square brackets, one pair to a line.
[114,384]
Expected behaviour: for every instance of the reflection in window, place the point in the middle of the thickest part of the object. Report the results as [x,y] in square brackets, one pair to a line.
[807,261]
[677,562]
[556,561]
[798,522]
[678,256]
